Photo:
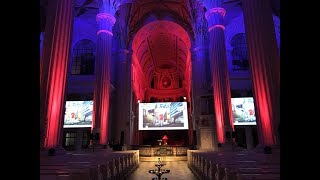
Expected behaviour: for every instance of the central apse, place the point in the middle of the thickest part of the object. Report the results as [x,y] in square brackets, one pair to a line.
[161,66]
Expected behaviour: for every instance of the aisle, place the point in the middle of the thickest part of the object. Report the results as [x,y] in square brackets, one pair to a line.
[178,171]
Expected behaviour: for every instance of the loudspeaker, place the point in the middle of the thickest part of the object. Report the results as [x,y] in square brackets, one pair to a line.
[122,138]
[97,136]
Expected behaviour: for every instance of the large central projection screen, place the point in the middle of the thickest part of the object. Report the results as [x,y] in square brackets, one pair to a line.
[163,116]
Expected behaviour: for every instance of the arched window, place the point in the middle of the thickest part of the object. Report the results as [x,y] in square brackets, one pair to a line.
[83,58]
[239,53]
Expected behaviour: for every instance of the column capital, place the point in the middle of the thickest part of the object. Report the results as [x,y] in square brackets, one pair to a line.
[215,18]
[106,16]
[106,21]
[215,10]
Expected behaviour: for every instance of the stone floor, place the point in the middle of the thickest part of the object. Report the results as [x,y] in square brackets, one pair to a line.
[178,171]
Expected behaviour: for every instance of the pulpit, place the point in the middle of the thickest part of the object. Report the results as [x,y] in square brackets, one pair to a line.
[165,139]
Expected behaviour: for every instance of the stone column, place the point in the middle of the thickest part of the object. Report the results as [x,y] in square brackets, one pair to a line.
[53,71]
[199,58]
[249,138]
[78,144]
[41,42]
[101,98]
[221,84]
[198,62]
[123,74]
[265,67]
[124,95]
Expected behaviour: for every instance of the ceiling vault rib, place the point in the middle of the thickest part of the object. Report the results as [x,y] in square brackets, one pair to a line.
[151,55]
[176,51]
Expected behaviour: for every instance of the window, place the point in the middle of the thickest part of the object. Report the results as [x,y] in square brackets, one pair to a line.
[239,53]
[71,138]
[83,58]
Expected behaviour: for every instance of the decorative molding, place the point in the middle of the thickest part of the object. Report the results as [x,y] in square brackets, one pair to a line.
[104,31]
[216,26]
[124,51]
[199,48]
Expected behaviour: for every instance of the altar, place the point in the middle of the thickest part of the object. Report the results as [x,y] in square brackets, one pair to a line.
[158,150]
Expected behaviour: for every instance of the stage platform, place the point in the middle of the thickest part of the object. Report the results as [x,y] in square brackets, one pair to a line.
[167,158]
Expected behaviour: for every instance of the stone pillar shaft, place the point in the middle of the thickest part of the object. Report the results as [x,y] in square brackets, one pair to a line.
[265,67]
[53,71]
[221,84]
[124,96]
[102,81]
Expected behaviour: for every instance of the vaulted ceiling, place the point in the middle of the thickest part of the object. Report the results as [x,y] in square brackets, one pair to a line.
[143,9]
[162,47]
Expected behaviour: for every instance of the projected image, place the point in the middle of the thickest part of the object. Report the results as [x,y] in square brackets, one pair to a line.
[243,111]
[160,116]
[78,114]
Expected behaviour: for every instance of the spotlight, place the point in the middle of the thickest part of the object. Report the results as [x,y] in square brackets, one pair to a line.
[138,100]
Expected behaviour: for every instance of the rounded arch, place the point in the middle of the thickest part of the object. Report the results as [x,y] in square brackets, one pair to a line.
[239,52]
[155,16]
[236,27]
[85,43]
[162,26]
[161,47]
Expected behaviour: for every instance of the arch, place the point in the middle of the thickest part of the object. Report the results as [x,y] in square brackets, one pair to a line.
[239,52]
[83,58]
[154,16]
[159,31]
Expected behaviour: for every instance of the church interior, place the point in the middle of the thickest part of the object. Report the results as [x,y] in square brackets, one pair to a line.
[151,89]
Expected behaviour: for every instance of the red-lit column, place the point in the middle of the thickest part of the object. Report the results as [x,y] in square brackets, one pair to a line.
[53,71]
[221,84]
[265,67]
[102,82]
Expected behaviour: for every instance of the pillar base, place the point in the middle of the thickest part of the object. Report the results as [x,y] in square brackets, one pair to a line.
[207,139]
[59,150]
[227,146]
[273,149]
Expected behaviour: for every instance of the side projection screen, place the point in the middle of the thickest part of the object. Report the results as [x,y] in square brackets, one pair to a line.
[163,116]
[78,114]
[243,111]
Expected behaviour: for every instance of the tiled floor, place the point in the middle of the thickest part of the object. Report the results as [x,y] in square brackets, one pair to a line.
[178,171]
